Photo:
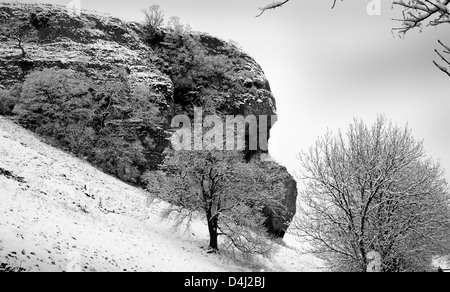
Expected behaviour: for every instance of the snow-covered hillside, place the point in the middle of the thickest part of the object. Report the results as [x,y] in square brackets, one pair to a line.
[59,213]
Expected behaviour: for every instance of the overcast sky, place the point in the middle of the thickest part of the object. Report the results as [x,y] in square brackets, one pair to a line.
[325,66]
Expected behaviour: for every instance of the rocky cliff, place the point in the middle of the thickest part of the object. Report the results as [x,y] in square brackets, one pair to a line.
[170,66]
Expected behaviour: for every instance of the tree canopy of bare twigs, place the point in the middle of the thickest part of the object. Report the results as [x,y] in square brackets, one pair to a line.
[373,190]
[154,16]
[230,193]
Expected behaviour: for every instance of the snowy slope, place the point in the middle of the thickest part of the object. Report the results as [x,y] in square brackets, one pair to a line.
[59,213]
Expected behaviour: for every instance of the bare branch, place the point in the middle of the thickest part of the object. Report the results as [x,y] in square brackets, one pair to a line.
[334,3]
[442,68]
[446,47]
[417,12]
[271,6]
[446,60]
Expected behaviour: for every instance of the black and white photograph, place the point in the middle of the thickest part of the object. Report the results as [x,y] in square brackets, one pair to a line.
[225,142]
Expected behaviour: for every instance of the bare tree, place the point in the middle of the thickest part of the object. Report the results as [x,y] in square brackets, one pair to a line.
[154,16]
[19,30]
[373,191]
[229,192]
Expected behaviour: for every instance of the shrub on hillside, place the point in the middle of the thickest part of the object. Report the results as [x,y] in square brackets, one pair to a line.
[202,77]
[7,102]
[52,94]
[177,26]
[106,123]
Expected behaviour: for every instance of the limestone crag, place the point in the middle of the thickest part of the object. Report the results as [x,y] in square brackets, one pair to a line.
[97,43]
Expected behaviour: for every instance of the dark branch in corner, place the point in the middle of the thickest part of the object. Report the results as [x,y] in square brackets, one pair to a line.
[334,3]
[416,12]
[279,4]
[446,60]
[442,68]
[271,6]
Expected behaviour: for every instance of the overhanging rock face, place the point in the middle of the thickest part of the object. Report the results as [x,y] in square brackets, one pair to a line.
[278,222]
[99,44]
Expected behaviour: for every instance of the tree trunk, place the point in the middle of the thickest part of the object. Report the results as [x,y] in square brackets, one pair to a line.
[212,227]
[24,54]
[363,256]
[212,220]
[20,45]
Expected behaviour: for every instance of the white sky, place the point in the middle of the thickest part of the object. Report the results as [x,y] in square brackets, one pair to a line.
[325,66]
